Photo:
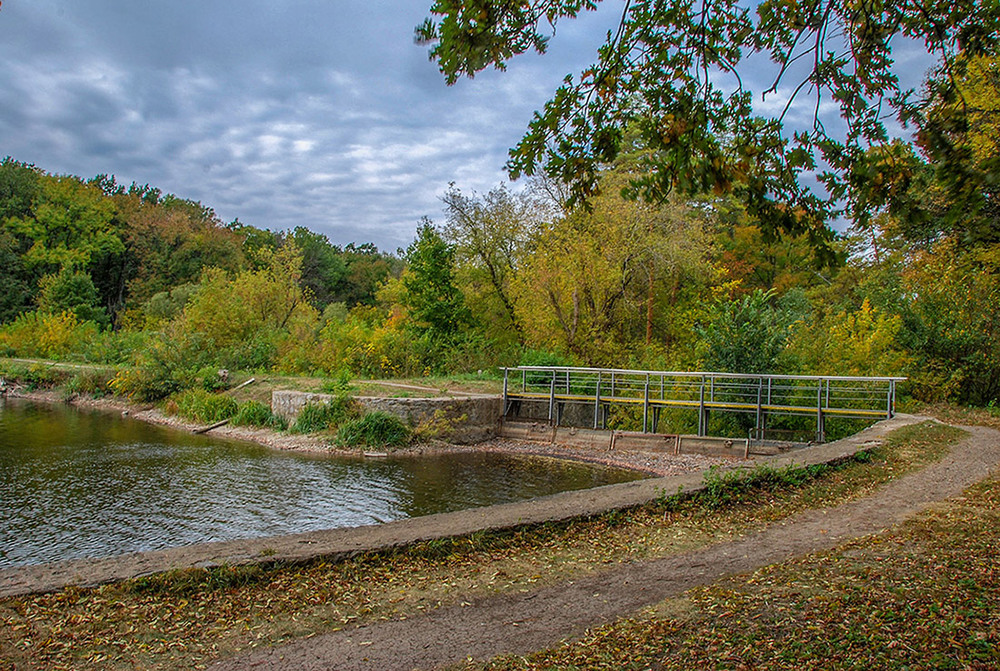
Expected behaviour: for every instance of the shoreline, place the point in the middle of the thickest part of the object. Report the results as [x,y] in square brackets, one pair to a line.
[651,463]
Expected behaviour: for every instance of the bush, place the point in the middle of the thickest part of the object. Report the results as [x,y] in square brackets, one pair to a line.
[169,363]
[376,429]
[33,376]
[52,336]
[325,416]
[255,413]
[202,406]
[91,382]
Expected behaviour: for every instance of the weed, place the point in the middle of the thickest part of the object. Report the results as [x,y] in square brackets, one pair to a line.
[255,413]
[376,429]
[33,376]
[192,581]
[326,416]
[202,406]
[338,384]
[439,426]
[93,382]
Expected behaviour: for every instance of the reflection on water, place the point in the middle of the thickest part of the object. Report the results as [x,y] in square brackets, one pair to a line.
[88,484]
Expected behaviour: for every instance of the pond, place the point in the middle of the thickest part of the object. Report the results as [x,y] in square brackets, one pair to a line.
[77,483]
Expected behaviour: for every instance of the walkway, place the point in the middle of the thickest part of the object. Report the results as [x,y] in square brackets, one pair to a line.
[519,624]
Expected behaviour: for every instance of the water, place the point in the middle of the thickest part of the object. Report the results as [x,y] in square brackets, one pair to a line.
[90,484]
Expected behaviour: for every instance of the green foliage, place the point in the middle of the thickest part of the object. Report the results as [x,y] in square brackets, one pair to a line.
[724,487]
[677,71]
[375,429]
[338,384]
[204,406]
[71,291]
[326,416]
[188,582]
[744,335]
[168,363]
[861,342]
[91,382]
[52,336]
[33,376]
[255,413]
[435,303]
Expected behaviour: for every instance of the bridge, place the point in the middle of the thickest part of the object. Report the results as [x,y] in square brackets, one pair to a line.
[558,388]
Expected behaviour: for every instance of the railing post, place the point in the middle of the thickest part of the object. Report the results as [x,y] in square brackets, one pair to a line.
[524,380]
[505,399]
[820,428]
[597,403]
[701,409]
[760,410]
[552,396]
[645,408]
[891,401]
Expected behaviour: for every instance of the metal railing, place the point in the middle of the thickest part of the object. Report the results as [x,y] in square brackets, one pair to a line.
[760,395]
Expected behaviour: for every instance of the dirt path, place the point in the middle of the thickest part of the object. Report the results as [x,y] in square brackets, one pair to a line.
[523,623]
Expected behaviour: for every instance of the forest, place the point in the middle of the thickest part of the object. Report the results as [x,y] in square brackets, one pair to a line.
[159,287]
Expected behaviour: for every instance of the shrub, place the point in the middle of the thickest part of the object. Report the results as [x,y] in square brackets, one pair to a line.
[33,376]
[170,362]
[91,382]
[255,413]
[202,406]
[376,429]
[53,336]
[325,416]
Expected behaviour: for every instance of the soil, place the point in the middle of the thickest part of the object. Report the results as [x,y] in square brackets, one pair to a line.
[522,623]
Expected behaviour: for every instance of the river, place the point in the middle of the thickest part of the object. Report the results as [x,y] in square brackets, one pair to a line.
[86,483]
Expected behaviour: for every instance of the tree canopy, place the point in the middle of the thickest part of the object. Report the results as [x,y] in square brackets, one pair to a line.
[680,72]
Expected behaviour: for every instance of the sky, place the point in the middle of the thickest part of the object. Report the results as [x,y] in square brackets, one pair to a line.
[282,113]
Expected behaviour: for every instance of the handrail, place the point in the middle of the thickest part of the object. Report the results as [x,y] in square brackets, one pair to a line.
[760,394]
[667,373]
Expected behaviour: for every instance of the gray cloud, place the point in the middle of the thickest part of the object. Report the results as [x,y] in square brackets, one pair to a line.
[281,113]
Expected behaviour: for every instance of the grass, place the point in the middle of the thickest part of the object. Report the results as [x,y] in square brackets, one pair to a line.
[327,416]
[374,429]
[187,618]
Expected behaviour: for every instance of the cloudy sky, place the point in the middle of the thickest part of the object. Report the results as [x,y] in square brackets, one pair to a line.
[281,113]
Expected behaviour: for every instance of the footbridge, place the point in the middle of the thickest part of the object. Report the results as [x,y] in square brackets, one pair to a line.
[552,391]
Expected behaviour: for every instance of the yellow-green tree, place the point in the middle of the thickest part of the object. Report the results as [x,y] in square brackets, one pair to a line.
[253,308]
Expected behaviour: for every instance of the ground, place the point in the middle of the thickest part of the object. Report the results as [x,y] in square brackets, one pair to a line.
[532,615]
[521,623]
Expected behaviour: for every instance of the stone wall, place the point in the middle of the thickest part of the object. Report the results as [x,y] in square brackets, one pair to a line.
[457,419]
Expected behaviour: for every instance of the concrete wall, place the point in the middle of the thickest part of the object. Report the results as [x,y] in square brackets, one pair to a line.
[569,436]
[458,419]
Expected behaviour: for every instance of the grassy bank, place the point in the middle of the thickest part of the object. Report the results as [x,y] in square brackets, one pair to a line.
[186,619]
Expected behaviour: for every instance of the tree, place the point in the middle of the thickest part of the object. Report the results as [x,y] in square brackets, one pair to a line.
[949,182]
[745,335]
[493,234]
[678,71]
[434,302]
[72,291]
[367,269]
[323,268]
[69,225]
